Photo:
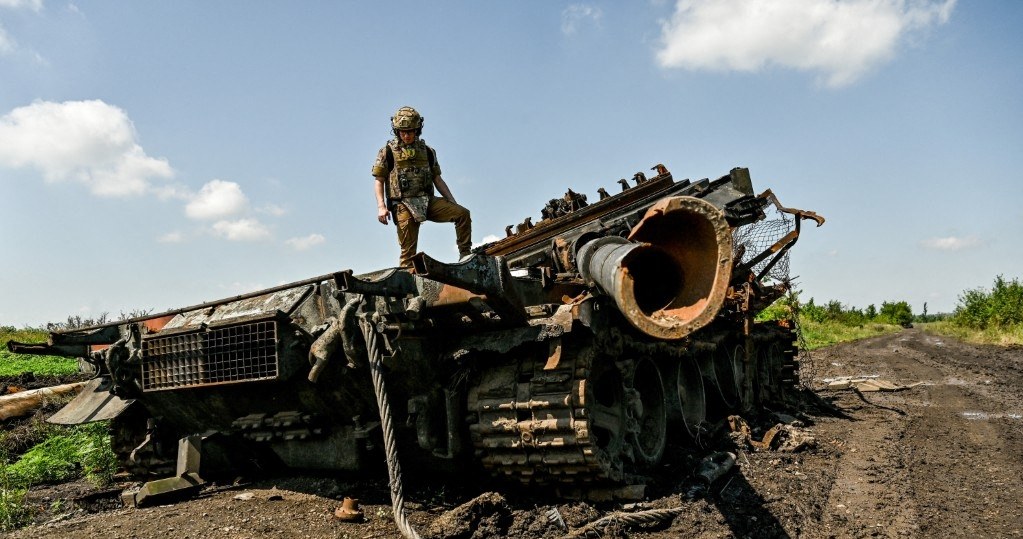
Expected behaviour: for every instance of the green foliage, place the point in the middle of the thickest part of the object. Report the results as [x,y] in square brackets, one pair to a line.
[991,335]
[15,364]
[821,334]
[832,322]
[13,511]
[1001,308]
[898,313]
[871,312]
[82,450]
[782,308]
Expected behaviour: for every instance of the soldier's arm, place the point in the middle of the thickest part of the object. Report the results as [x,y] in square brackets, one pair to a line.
[383,214]
[442,188]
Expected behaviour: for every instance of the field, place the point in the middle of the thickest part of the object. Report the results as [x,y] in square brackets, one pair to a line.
[943,458]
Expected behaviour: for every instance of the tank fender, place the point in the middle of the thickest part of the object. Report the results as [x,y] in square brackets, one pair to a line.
[94,403]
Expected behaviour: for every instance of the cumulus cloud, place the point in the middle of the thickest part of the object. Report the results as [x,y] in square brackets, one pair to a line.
[216,200]
[89,142]
[951,243]
[241,230]
[303,243]
[839,40]
[576,15]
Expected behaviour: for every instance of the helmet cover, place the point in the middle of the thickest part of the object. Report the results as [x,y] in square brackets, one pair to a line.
[406,119]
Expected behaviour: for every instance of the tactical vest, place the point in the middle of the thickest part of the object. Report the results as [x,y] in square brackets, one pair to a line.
[412,172]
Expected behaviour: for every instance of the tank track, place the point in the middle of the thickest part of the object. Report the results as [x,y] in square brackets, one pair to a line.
[564,426]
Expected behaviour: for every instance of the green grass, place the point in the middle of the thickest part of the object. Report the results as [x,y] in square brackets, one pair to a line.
[989,335]
[822,334]
[15,364]
[67,453]
[82,450]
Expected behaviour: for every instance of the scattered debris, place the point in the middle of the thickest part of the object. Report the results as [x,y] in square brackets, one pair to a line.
[554,517]
[713,466]
[487,515]
[349,511]
[786,438]
[244,496]
[866,383]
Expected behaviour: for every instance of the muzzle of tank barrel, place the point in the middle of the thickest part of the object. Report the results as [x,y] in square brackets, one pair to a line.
[669,278]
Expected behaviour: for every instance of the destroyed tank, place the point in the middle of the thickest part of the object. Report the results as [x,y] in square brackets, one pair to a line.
[566,356]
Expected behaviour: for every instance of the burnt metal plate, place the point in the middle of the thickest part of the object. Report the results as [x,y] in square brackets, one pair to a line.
[94,403]
[266,305]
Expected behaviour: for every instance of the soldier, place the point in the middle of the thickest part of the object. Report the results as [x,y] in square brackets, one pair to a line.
[406,173]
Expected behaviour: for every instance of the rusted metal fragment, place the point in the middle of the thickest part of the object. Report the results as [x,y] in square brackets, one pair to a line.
[349,511]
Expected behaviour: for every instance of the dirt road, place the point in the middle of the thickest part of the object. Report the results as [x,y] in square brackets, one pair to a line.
[942,459]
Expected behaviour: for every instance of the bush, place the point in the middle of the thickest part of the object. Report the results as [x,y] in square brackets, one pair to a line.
[1001,308]
[898,313]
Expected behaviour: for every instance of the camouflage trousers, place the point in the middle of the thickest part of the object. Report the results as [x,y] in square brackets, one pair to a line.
[440,210]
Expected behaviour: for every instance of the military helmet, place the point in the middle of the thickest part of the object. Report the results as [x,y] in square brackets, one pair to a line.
[407,119]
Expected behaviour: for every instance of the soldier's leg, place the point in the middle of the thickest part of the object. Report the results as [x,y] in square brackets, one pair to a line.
[408,236]
[441,210]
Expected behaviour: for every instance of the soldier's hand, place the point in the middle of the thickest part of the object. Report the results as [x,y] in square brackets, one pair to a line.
[383,215]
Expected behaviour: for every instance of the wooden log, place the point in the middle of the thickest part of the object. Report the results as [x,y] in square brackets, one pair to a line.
[26,402]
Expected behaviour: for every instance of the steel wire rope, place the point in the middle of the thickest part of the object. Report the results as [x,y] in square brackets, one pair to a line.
[642,518]
[390,447]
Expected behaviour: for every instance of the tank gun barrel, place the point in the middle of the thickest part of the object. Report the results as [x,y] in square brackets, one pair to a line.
[670,276]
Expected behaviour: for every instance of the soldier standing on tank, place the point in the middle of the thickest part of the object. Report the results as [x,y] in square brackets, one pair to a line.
[406,172]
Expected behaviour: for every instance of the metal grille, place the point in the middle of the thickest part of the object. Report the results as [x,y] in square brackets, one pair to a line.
[241,353]
[752,239]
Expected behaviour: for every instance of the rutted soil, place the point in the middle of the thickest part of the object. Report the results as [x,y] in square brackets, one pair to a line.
[941,459]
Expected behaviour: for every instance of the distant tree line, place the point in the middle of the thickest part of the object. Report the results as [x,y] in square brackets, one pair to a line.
[891,312]
[1000,307]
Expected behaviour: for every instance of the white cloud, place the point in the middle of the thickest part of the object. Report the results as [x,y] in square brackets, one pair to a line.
[216,200]
[487,239]
[7,44]
[34,5]
[576,15]
[840,40]
[89,142]
[301,244]
[951,243]
[171,237]
[272,209]
[241,230]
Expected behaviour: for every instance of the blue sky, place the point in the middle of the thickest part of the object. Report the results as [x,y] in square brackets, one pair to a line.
[155,155]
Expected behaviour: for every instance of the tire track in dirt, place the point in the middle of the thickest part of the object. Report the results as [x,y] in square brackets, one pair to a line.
[951,467]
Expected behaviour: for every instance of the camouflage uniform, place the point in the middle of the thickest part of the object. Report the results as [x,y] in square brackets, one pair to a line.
[409,171]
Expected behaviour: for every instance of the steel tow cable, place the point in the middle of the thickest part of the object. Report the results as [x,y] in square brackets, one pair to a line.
[390,447]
